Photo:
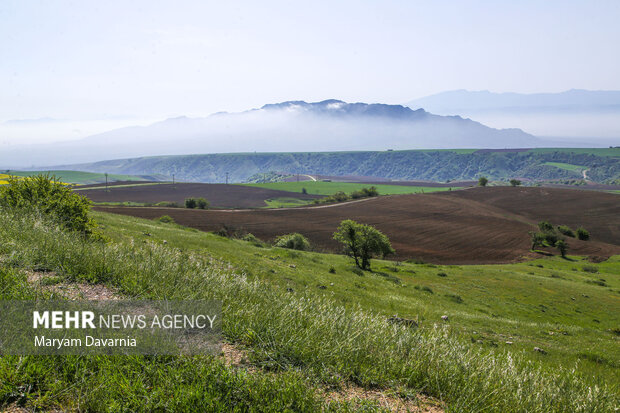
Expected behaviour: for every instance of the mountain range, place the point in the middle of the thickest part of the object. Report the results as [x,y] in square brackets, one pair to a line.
[589,115]
[330,125]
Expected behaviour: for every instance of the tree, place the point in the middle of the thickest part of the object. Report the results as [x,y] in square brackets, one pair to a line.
[515,182]
[483,181]
[202,203]
[362,242]
[538,239]
[304,191]
[562,246]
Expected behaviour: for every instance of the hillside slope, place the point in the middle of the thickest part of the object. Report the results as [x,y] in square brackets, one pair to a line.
[602,165]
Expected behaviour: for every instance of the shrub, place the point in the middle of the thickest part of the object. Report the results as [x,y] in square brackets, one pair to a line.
[442,274]
[45,195]
[583,234]
[483,181]
[545,226]
[293,241]
[590,268]
[190,203]
[202,203]
[515,182]
[340,197]
[332,270]
[365,193]
[563,229]
[167,204]
[250,238]
[304,191]
[167,219]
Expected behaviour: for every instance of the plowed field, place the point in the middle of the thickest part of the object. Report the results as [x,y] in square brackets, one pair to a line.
[481,225]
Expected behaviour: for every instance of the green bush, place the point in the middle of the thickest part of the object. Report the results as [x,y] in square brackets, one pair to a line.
[563,229]
[340,197]
[166,219]
[293,241]
[167,204]
[583,234]
[365,193]
[190,203]
[545,226]
[515,182]
[42,193]
[202,203]
[483,181]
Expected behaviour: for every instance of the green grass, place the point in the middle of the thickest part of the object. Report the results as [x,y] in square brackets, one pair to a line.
[285,202]
[567,166]
[324,336]
[330,188]
[615,152]
[79,177]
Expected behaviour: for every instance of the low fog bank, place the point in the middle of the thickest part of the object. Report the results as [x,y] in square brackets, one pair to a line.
[286,127]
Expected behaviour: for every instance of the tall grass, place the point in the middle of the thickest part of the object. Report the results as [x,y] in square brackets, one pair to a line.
[306,332]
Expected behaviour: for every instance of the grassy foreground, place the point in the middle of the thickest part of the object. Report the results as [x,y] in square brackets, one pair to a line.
[299,340]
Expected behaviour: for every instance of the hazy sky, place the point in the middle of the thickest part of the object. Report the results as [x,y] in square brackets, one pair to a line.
[142,60]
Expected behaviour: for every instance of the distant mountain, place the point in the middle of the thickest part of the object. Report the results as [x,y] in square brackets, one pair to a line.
[590,116]
[330,125]
[464,101]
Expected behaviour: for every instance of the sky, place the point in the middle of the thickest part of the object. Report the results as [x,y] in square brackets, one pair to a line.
[93,65]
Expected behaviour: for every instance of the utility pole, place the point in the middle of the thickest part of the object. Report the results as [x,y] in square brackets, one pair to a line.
[226,178]
[172,179]
[106,182]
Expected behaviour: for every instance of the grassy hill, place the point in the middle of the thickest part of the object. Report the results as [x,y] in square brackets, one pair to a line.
[434,165]
[308,323]
[83,178]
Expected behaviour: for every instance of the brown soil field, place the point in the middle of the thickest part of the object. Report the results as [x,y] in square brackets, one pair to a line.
[598,212]
[474,226]
[116,183]
[218,195]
